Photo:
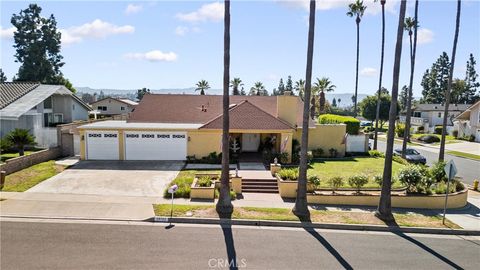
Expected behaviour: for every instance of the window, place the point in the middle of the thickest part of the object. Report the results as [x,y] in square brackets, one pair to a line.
[440,115]
[102,108]
[132,135]
[73,107]
[417,114]
[58,118]
[178,136]
[110,135]
[122,108]
[47,103]
[148,136]
[163,136]
[47,119]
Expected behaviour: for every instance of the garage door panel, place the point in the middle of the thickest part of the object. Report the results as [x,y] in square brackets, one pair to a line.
[102,145]
[155,145]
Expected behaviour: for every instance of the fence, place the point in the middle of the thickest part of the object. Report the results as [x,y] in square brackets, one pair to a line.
[19,163]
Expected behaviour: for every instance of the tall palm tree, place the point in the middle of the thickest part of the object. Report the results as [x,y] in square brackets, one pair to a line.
[202,86]
[258,89]
[384,210]
[356,10]
[323,85]
[300,87]
[441,155]
[301,208]
[379,93]
[411,25]
[224,205]
[235,84]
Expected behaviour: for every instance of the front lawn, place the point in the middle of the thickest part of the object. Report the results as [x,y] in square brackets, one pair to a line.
[184,181]
[463,154]
[318,216]
[6,156]
[31,176]
[349,166]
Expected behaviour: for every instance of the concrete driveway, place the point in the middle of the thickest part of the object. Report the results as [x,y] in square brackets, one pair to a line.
[116,178]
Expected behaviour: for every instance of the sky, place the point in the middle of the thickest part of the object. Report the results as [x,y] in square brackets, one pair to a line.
[174,44]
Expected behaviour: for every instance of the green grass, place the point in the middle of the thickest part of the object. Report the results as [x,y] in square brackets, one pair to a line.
[447,137]
[31,176]
[6,156]
[463,154]
[347,167]
[319,216]
[184,180]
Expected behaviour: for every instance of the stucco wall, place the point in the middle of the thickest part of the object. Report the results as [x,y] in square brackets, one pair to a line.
[325,137]
[287,109]
[201,144]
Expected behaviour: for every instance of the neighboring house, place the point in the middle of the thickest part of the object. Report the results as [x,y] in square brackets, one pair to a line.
[172,127]
[468,122]
[39,108]
[431,115]
[113,106]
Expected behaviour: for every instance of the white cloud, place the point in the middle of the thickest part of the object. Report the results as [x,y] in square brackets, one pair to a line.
[181,30]
[96,29]
[373,7]
[7,33]
[368,72]
[132,9]
[209,12]
[153,56]
[424,36]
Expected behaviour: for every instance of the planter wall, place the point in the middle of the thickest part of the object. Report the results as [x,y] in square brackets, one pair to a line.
[202,192]
[455,200]
[287,189]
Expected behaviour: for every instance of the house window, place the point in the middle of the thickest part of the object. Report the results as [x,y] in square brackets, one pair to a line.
[417,114]
[478,117]
[73,107]
[102,108]
[122,108]
[58,118]
[47,103]
[47,119]
[439,115]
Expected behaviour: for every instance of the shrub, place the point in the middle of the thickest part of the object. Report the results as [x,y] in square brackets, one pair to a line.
[333,152]
[438,130]
[5,145]
[459,186]
[441,188]
[353,125]
[400,160]
[375,153]
[314,180]
[358,181]
[400,130]
[378,179]
[471,138]
[204,181]
[437,171]
[411,176]
[420,129]
[233,195]
[318,152]
[429,138]
[455,133]
[335,182]
[269,157]
[289,174]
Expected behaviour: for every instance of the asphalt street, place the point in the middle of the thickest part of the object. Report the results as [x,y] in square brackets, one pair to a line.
[468,169]
[46,245]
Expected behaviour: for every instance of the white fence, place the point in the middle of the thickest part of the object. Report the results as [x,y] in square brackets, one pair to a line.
[357,143]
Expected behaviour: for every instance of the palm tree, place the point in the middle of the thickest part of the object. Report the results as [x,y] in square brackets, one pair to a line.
[411,25]
[379,94]
[301,208]
[300,87]
[356,10]
[258,89]
[323,85]
[235,84]
[441,155]
[224,205]
[384,210]
[202,86]
[338,101]
[20,138]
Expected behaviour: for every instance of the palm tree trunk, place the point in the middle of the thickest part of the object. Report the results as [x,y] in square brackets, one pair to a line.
[384,210]
[356,69]
[406,134]
[21,150]
[377,112]
[441,155]
[224,205]
[301,208]
[322,102]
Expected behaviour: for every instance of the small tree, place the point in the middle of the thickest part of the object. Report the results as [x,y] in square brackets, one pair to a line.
[368,107]
[3,78]
[411,176]
[335,182]
[20,138]
[358,181]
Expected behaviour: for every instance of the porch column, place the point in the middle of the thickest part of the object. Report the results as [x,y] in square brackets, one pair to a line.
[286,144]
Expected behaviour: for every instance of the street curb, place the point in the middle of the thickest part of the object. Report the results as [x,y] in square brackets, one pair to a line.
[331,226]
[77,218]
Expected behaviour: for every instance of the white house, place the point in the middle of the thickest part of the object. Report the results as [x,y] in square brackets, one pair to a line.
[468,122]
[113,106]
[39,108]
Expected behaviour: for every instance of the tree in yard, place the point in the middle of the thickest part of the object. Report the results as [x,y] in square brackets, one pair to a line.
[300,87]
[402,97]
[368,108]
[224,205]
[459,89]
[377,113]
[258,89]
[384,210]
[236,83]
[301,208]
[202,86]
[20,138]
[435,81]
[321,86]
[3,78]
[411,25]
[338,101]
[281,87]
[441,154]
[289,85]
[470,94]
[356,9]
[37,44]
[334,102]
[140,93]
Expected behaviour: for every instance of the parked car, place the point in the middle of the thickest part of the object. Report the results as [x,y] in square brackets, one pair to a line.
[411,155]
[366,124]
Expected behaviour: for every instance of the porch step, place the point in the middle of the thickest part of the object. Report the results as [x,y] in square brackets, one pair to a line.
[260,185]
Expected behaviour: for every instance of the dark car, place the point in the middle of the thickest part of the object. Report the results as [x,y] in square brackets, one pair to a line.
[366,124]
[412,156]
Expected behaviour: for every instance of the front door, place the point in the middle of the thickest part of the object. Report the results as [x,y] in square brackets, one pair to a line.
[250,142]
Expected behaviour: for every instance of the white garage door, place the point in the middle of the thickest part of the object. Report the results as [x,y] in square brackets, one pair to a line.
[155,145]
[102,145]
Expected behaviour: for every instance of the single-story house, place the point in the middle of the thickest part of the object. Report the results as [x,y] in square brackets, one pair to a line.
[431,115]
[468,122]
[172,127]
[113,106]
[39,108]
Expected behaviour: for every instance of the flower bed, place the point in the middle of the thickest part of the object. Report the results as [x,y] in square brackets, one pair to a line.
[203,186]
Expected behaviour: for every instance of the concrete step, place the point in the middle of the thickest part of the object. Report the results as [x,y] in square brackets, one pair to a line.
[260,187]
[259,190]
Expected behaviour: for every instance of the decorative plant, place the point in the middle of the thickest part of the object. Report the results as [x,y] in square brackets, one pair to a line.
[333,152]
[204,181]
[358,181]
[288,174]
[335,182]
[235,146]
[313,181]
[318,152]
[20,138]
[411,176]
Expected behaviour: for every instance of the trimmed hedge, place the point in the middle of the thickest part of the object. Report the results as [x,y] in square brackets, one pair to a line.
[353,125]
[429,138]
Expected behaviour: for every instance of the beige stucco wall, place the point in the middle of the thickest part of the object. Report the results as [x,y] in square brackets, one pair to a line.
[325,137]
[201,143]
[287,109]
